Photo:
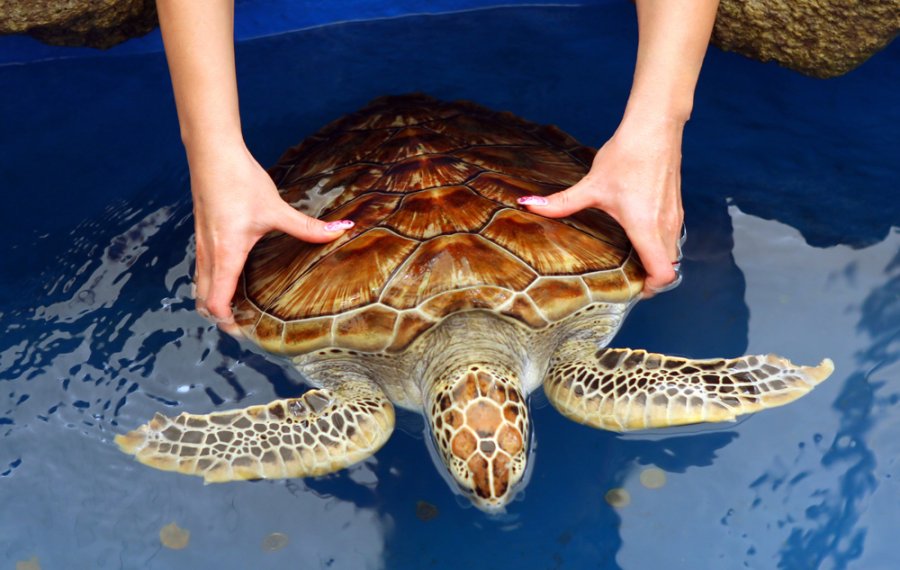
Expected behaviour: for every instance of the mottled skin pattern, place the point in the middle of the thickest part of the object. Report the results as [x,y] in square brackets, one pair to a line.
[622,389]
[446,298]
[321,432]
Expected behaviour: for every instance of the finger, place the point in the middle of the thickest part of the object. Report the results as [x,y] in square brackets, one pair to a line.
[226,271]
[309,229]
[202,276]
[559,204]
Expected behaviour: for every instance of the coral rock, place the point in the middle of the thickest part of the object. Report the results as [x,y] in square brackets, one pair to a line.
[93,23]
[821,38]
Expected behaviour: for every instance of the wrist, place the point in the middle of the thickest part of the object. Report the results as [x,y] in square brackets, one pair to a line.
[210,121]
[640,128]
[663,113]
[201,147]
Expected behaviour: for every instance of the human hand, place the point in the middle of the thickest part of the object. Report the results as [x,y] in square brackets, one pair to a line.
[235,204]
[235,201]
[635,178]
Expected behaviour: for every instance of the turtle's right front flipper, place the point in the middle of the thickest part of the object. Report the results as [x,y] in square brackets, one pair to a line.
[321,432]
[622,389]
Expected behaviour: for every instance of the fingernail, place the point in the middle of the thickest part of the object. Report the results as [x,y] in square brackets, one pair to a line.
[533,201]
[338,226]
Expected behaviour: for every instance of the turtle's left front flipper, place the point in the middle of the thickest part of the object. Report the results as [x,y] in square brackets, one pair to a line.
[622,389]
[320,432]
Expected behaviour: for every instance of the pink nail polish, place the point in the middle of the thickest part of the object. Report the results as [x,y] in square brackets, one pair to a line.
[338,226]
[533,201]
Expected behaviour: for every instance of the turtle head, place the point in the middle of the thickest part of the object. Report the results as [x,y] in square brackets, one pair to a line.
[479,422]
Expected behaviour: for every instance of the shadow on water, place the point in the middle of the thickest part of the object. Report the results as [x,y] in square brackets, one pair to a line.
[99,331]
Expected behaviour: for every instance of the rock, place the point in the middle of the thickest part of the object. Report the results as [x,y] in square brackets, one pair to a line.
[821,38]
[425,511]
[93,23]
[174,537]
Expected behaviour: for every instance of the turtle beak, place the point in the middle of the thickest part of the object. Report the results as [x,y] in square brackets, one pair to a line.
[480,425]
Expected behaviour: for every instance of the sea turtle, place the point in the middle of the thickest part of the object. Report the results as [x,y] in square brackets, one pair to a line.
[447,298]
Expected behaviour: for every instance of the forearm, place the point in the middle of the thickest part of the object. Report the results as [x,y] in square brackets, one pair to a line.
[235,201]
[199,41]
[673,37]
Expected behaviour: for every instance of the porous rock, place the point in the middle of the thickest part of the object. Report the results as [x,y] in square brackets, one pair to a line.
[93,23]
[821,38]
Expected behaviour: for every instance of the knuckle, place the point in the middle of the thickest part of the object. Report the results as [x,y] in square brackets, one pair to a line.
[306,225]
[667,275]
[310,225]
[660,274]
[218,309]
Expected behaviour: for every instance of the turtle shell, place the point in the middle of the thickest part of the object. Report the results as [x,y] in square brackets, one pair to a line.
[432,189]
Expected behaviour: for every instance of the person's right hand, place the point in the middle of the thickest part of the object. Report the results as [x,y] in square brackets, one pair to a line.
[235,204]
[636,179]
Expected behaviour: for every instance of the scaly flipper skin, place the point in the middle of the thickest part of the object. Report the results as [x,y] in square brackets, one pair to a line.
[321,432]
[622,389]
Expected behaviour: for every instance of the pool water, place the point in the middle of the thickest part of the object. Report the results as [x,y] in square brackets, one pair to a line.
[791,198]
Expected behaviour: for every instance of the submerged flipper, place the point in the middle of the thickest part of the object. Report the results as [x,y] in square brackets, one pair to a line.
[622,389]
[321,432]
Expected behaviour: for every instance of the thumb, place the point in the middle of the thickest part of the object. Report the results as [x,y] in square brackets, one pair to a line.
[560,204]
[308,229]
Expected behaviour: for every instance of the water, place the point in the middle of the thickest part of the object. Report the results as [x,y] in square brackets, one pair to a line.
[791,195]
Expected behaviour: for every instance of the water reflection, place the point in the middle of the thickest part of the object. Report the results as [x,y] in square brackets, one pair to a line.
[117,339]
[834,532]
[829,481]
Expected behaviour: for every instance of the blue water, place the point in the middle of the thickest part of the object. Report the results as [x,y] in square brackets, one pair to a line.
[790,188]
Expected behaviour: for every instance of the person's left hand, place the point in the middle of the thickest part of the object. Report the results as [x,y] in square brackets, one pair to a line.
[635,178]
[235,204]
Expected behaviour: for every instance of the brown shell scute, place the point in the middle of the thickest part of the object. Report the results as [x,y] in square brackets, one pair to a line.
[349,277]
[432,189]
[318,195]
[507,189]
[539,163]
[343,150]
[410,142]
[426,171]
[448,209]
[551,247]
[452,262]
